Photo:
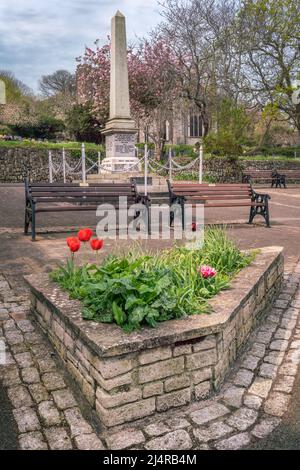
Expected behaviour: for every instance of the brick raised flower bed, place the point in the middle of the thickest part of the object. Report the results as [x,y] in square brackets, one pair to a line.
[130,376]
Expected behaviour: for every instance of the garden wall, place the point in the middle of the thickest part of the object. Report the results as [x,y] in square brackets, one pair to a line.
[130,376]
[19,163]
[16,164]
[225,170]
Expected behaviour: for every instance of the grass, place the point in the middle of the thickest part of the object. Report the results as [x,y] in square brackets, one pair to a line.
[137,289]
[263,158]
[27,144]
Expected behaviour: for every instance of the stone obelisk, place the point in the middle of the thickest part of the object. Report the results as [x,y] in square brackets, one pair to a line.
[120,132]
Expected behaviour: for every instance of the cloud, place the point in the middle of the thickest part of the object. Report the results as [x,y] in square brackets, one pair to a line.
[38,37]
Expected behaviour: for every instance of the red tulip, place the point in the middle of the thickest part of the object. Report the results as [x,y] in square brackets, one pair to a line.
[96,244]
[73,244]
[194,227]
[85,234]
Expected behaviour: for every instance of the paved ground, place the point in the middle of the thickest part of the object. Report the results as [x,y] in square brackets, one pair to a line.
[49,402]
[8,428]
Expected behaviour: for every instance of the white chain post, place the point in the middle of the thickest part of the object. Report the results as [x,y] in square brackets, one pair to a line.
[50,167]
[64,164]
[201,163]
[170,165]
[99,163]
[146,170]
[83,163]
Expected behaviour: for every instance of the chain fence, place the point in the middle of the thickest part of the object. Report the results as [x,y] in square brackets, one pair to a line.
[66,170]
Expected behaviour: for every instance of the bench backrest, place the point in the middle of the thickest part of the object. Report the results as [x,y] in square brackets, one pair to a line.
[218,191]
[295,173]
[108,193]
[266,173]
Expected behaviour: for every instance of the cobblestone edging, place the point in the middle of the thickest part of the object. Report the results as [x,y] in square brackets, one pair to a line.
[249,406]
[126,377]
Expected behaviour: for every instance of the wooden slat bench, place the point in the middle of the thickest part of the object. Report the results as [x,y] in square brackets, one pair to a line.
[263,175]
[288,175]
[66,197]
[220,195]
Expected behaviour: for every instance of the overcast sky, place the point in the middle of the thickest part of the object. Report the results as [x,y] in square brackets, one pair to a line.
[38,37]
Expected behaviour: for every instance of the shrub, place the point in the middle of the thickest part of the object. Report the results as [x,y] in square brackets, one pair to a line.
[46,128]
[83,125]
[278,151]
[141,145]
[223,144]
[178,150]
[194,176]
[182,150]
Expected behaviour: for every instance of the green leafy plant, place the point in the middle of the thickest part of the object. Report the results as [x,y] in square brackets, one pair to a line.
[193,176]
[224,144]
[144,289]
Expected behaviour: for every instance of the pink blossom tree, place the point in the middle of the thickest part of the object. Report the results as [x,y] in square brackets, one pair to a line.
[153,82]
[93,77]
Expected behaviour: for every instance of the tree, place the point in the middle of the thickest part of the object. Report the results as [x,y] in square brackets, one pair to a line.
[83,125]
[46,127]
[19,100]
[60,82]
[154,88]
[15,89]
[234,118]
[93,81]
[196,30]
[271,49]
[152,82]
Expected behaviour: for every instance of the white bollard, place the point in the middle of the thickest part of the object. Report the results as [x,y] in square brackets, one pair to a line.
[201,163]
[99,163]
[83,163]
[64,165]
[50,167]
[170,164]
[146,171]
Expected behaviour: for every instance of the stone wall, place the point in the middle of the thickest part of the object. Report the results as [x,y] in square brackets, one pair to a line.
[19,163]
[130,376]
[16,164]
[229,171]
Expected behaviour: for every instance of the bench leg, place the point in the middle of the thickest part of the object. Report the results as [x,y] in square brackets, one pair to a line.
[183,215]
[260,210]
[267,215]
[33,225]
[148,209]
[281,181]
[278,182]
[26,222]
[252,215]
[284,182]
[171,218]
